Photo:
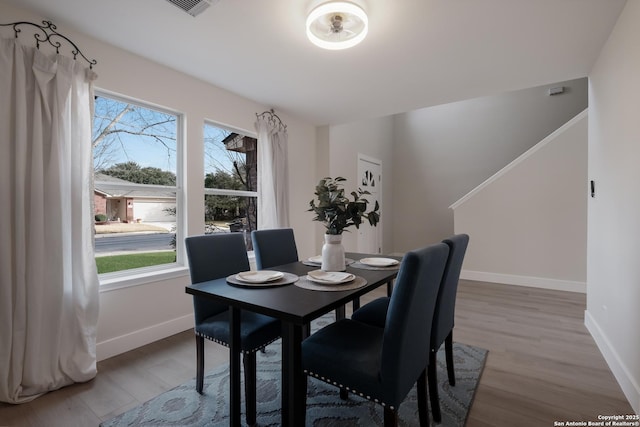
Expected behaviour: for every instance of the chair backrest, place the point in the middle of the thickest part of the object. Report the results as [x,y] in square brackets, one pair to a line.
[212,256]
[443,318]
[405,349]
[274,247]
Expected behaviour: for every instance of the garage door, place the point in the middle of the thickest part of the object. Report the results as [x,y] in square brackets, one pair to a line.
[153,210]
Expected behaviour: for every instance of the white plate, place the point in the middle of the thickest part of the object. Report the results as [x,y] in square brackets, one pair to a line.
[318,260]
[379,262]
[262,276]
[330,277]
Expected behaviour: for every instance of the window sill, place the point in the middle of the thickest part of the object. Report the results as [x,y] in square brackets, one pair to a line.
[143,276]
[126,279]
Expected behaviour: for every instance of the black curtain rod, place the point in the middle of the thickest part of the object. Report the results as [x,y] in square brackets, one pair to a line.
[48,34]
[273,118]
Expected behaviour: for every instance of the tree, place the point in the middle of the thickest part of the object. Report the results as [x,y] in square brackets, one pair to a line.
[115,122]
[217,157]
[230,170]
[222,179]
[223,207]
[133,172]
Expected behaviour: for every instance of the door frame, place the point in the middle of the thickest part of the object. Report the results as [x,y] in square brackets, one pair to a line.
[378,162]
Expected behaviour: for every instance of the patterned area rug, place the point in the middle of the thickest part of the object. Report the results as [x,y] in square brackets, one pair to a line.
[183,406]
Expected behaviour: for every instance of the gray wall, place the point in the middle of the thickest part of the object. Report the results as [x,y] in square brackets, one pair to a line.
[528,222]
[613,270]
[441,153]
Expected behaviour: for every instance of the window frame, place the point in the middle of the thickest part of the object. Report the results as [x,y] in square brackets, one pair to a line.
[138,276]
[223,191]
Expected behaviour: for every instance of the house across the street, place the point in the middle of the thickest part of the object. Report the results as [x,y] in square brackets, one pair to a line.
[131,205]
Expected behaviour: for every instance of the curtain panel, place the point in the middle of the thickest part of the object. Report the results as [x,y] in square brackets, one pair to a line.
[273,175]
[48,278]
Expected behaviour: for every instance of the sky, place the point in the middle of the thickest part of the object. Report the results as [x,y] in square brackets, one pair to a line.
[148,151]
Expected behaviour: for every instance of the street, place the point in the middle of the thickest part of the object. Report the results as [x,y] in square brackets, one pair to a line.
[133,242]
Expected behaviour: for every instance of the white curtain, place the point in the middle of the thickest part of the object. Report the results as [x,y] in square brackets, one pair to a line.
[273,173]
[48,278]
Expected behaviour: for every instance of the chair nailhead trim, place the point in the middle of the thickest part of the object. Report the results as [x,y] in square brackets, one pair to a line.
[330,381]
[227,345]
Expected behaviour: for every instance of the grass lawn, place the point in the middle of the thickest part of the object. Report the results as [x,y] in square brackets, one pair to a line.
[108,264]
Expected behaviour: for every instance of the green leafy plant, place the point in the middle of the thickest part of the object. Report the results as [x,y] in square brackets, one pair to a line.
[100,218]
[336,211]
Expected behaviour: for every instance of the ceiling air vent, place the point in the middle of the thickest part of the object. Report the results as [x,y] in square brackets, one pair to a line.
[193,7]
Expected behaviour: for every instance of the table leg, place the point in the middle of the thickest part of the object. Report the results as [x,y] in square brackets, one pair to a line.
[234,367]
[293,381]
[389,287]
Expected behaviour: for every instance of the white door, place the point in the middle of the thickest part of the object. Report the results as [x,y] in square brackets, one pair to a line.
[370,179]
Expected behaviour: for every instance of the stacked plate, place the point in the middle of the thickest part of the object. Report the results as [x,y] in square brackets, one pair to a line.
[263,276]
[330,277]
[318,260]
[379,262]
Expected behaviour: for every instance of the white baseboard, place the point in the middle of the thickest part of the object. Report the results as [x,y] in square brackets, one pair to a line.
[534,282]
[132,340]
[629,386]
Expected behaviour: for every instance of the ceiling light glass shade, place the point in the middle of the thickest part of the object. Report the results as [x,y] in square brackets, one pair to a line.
[337,25]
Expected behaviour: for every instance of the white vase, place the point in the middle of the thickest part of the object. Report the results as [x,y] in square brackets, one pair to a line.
[333,253]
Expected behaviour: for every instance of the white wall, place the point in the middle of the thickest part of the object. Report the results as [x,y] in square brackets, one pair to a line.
[528,223]
[613,272]
[443,152]
[373,138]
[133,316]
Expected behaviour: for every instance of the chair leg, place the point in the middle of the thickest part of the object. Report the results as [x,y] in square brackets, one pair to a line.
[390,417]
[389,288]
[344,394]
[423,412]
[199,363]
[448,349]
[306,392]
[249,362]
[432,379]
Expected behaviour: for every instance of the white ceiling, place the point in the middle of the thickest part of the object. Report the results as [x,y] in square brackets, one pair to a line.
[418,52]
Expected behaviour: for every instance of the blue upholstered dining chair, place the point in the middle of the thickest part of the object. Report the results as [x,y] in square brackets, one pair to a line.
[274,247]
[375,313]
[214,256]
[277,246]
[383,364]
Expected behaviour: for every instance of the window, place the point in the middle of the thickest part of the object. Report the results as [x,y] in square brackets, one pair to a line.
[136,184]
[230,181]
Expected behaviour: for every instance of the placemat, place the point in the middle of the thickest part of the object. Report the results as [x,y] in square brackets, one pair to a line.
[305,283]
[286,279]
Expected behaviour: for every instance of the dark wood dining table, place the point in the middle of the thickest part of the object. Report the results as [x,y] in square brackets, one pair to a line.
[295,307]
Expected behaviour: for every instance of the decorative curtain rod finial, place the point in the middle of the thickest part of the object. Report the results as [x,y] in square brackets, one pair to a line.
[272,118]
[48,34]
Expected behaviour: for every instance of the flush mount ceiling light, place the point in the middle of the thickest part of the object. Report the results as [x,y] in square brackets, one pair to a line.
[337,25]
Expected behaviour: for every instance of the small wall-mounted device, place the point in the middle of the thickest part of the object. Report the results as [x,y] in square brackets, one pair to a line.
[556,90]
[593,189]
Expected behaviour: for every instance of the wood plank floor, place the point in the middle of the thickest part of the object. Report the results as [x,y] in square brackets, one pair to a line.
[542,367]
